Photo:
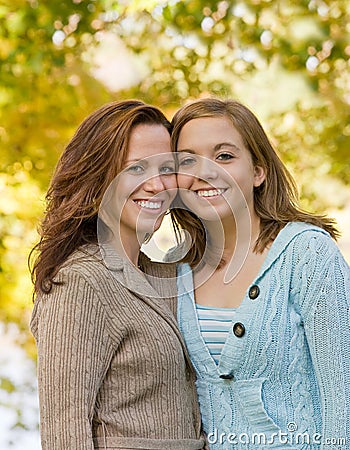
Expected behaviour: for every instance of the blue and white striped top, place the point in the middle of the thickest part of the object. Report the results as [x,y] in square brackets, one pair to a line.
[214,325]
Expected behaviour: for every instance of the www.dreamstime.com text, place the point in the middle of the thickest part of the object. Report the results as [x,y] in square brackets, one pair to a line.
[292,437]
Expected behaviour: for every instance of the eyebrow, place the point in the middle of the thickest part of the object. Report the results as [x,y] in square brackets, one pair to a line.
[216,148]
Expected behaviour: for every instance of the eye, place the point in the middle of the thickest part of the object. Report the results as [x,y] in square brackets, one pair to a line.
[136,169]
[186,161]
[225,156]
[167,170]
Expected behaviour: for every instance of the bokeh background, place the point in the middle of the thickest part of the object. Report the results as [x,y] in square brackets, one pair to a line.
[288,60]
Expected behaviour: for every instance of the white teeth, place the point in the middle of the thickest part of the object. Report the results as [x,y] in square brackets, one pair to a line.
[150,205]
[211,192]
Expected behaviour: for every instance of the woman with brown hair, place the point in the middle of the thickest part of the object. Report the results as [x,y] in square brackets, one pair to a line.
[264,293]
[113,370]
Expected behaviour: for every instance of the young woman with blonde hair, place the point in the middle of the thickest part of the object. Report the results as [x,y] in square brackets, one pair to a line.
[264,292]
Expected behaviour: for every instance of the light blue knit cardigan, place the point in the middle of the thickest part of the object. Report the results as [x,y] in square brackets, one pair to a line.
[290,371]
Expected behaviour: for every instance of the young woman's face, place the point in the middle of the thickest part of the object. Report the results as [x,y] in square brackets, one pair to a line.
[216,175]
[146,187]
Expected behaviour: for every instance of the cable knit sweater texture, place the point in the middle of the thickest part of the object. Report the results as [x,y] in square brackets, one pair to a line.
[113,369]
[290,385]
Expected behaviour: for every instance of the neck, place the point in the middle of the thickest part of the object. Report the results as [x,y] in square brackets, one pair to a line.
[128,246]
[233,236]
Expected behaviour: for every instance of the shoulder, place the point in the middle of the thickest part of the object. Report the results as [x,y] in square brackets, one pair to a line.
[302,247]
[82,276]
[311,252]
[312,241]
[303,238]
[319,273]
[81,287]
[86,264]
[84,257]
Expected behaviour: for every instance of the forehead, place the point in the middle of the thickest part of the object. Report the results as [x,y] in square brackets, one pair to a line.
[210,130]
[148,140]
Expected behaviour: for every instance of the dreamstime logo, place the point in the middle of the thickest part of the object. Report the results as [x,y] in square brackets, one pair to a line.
[291,437]
[139,197]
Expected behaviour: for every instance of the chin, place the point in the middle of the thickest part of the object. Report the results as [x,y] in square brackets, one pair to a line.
[149,227]
[208,212]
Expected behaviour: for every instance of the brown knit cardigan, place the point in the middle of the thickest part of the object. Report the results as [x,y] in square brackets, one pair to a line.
[113,370]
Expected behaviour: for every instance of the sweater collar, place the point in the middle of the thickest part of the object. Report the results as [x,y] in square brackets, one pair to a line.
[127,274]
[155,286]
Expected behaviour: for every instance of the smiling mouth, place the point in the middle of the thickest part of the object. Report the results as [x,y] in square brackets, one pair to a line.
[155,205]
[208,193]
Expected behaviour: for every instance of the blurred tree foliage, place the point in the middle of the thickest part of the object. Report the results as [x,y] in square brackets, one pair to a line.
[288,60]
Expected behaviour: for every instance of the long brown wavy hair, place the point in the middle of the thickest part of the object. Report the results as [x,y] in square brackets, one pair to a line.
[93,158]
[275,200]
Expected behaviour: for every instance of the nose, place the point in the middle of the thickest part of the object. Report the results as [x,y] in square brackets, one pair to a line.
[154,184]
[207,169]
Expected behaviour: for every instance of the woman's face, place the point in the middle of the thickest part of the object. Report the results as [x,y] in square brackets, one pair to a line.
[146,187]
[216,175]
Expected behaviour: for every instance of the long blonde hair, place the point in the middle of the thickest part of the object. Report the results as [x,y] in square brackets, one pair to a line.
[275,200]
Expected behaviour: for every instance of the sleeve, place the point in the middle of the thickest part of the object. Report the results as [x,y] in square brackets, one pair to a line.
[74,353]
[325,308]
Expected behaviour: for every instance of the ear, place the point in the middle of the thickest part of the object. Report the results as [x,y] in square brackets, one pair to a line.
[259,176]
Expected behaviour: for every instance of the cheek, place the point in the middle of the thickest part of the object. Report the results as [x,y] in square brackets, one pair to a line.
[170,185]
[126,186]
[184,181]
[170,182]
